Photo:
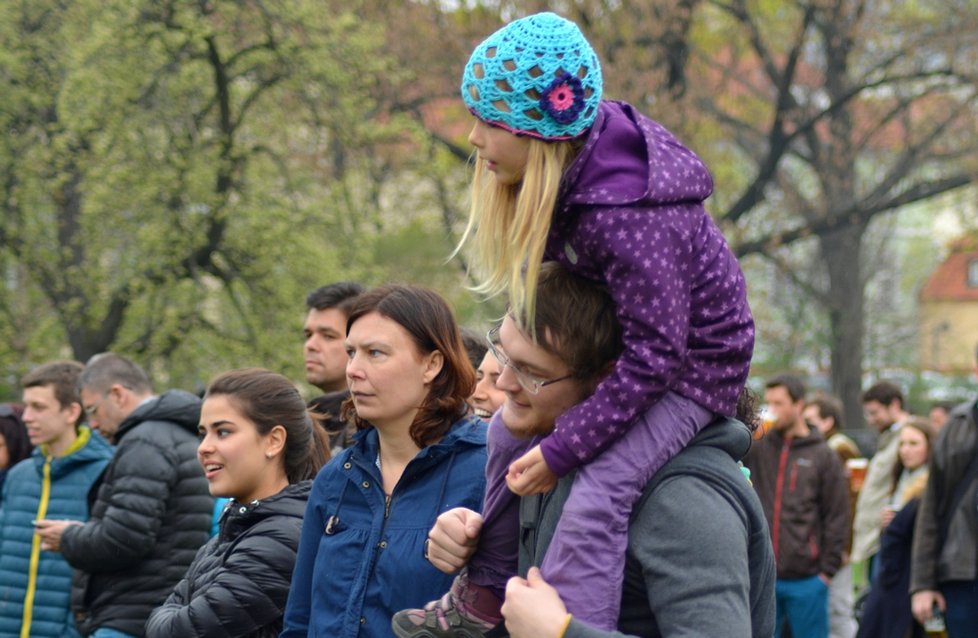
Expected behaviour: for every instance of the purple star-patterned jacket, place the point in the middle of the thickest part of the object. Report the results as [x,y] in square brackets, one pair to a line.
[631,217]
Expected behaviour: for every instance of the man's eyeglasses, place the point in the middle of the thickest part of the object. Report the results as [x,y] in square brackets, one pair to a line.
[92,409]
[530,383]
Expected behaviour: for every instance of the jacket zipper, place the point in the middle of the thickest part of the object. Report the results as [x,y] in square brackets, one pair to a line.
[42,512]
[778,489]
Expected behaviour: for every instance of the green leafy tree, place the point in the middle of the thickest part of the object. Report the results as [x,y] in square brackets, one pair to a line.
[180,176]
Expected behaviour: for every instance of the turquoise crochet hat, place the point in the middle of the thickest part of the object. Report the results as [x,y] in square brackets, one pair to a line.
[536,76]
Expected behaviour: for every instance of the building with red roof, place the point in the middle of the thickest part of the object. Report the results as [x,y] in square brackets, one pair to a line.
[948,311]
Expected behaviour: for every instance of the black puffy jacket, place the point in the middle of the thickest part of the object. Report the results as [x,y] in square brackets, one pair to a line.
[240,580]
[151,514]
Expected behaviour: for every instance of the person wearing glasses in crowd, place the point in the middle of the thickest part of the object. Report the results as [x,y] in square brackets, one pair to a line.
[670,543]
[614,197]
[152,509]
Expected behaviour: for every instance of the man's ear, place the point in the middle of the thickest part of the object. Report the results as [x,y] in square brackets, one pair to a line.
[119,393]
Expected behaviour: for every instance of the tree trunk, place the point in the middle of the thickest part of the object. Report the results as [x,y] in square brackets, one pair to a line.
[842,252]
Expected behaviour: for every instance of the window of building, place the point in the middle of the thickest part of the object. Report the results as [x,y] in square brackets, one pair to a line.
[973,273]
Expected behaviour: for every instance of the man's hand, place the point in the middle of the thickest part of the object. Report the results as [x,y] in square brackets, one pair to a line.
[922,604]
[530,474]
[50,532]
[533,609]
[453,539]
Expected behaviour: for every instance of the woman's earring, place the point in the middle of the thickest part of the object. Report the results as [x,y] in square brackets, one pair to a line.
[268,455]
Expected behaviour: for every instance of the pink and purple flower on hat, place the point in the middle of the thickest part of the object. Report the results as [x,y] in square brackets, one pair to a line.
[563,100]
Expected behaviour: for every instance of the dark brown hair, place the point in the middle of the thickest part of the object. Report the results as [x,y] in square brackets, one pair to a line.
[577,322]
[475,345]
[62,376]
[426,316]
[884,393]
[14,433]
[747,410]
[339,295]
[828,406]
[792,384]
[268,399]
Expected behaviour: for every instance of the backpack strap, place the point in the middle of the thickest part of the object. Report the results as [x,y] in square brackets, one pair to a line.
[700,462]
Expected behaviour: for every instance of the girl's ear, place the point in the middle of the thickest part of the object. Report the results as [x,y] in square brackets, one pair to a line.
[433,365]
[275,441]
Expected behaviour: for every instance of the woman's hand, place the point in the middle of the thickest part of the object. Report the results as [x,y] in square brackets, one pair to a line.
[533,609]
[530,474]
[453,539]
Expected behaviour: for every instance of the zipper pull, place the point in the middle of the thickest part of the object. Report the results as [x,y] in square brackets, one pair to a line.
[387,505]
[331,525]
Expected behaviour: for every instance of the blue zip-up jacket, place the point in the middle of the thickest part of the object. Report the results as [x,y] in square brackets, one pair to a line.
[41,487]
[361,559]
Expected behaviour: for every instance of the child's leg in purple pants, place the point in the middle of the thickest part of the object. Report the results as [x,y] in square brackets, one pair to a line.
[494,562]
[586,558]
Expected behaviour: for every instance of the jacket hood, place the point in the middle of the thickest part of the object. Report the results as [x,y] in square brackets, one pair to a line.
[290,502]
[618,164]
[729,435]
[469,431]
[89,447]
[175,406]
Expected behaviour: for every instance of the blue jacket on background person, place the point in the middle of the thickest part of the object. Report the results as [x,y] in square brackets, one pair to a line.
[361,558]
[42,487]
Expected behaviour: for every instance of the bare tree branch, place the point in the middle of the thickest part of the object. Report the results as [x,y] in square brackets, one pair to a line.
[856,214]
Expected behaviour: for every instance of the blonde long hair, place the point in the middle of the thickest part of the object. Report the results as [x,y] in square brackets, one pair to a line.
[509,225]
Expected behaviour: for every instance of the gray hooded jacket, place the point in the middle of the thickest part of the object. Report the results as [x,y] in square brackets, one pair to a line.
[699,557]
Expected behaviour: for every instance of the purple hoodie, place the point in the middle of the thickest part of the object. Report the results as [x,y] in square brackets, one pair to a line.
[631,217]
